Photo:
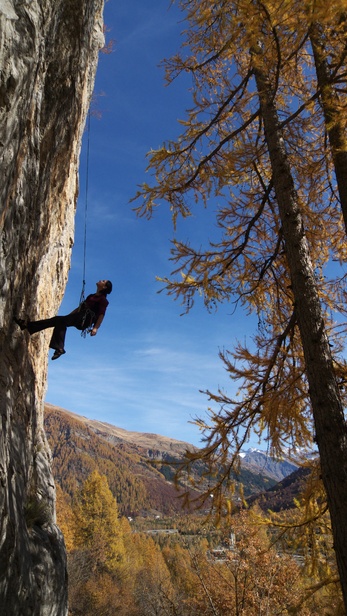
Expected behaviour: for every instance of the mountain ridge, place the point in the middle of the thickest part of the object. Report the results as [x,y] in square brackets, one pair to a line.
[122,433]
[140,467]
[257,460]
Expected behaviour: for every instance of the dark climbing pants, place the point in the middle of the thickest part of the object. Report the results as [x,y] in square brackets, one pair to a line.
[60,324]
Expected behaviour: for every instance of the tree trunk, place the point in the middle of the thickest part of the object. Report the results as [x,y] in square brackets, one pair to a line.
[335,128]
[330,427]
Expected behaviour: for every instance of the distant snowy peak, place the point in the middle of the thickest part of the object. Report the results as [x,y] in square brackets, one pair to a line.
[295,456]
[252,450]
[259,461]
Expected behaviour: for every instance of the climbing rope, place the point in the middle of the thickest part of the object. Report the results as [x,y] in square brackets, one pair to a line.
[82,298]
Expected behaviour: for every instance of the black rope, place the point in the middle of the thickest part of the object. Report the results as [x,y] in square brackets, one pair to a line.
[82,298]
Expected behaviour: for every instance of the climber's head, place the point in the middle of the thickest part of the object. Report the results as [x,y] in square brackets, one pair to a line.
[104,287]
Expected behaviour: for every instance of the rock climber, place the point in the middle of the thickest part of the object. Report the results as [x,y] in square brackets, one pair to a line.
[88,316]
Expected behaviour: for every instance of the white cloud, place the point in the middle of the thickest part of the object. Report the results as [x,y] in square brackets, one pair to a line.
[151,389]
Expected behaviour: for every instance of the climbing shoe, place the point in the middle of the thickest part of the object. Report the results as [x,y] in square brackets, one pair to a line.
[21,323]
[58,353]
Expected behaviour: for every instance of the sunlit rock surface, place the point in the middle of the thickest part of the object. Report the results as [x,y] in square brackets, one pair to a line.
[48,57]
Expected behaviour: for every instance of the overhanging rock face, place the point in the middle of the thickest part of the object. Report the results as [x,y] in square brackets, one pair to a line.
[48,58]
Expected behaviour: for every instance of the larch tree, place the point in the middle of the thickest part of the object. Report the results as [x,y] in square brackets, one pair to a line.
[263,142]
[96,562]
[97,525]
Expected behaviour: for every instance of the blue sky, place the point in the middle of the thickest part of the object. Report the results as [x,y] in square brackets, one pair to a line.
[144,369]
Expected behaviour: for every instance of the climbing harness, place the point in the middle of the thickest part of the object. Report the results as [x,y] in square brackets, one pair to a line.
[87,319]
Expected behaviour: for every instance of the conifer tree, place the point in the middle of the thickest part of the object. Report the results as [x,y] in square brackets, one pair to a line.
[265,95]
[97,526]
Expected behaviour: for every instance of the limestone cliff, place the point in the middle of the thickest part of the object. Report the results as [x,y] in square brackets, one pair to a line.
[48,58]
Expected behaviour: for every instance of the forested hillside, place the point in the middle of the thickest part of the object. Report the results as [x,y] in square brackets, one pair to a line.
[133,550]
[78,450]
[282,495]
[183,565]
[140,468]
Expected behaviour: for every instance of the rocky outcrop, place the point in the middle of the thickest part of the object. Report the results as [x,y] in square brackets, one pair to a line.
[48,57]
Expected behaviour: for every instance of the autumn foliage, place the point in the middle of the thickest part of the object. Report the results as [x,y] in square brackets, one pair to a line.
[117,569]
